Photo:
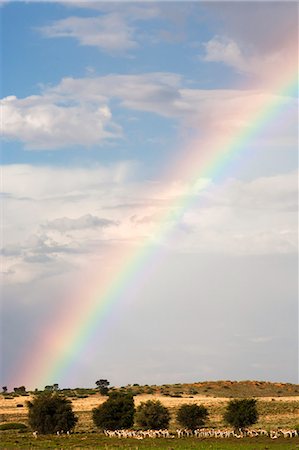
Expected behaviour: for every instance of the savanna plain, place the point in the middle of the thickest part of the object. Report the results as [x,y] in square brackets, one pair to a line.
[278,408]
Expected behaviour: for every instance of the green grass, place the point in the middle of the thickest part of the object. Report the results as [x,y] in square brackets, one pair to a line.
[21,440]
[12,426]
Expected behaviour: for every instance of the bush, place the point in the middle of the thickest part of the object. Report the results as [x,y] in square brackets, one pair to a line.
[49,413]
[115,413]
[241,413]
[192,416]
[12,426]
[152,414]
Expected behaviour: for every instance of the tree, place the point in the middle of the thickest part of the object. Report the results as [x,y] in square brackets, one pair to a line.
[49,388]
[152,414]
[49,413]
[115,413]
[52,387]
[103,386]
[20,390]
[241,413]
[192,416]
[4,389]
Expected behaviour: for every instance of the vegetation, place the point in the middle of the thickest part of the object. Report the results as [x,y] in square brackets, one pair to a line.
[49,413]
[241,413]
[274,412]
[222,388]
[52,388]
[13,426]
[153,415]
[115,413]
[19,390]
[192,416]
[103,386]
[15,440]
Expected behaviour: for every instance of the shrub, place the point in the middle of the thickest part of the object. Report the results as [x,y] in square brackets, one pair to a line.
[12,426]
[152,414]
[115,413]
[149,390]
[192,416]
[241,413]
[49,413]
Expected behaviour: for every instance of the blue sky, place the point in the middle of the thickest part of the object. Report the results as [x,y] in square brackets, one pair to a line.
[100,100]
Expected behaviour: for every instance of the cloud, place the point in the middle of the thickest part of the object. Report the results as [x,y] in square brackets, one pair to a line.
[44,123]
[153,92]
[119,27]
[245,22]
[240,255]
[244,43]
[110,33]
[225,50]
[78,112]
[65,224]
[261,339]
[255,217]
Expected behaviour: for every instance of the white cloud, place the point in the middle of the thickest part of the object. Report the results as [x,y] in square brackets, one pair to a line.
[119,27]
[65,224]
[246,59]
[109,32]
[225,50]
[242,40]
[78,111]
[54,227]
[245,22]
[44,123]
[256,217]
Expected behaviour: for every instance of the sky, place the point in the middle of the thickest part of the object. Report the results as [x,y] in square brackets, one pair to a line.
[149,162]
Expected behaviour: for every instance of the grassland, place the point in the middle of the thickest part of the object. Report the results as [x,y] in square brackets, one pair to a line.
[95,440]
[278,406]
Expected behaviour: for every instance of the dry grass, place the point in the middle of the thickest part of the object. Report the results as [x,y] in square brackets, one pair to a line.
[274,411]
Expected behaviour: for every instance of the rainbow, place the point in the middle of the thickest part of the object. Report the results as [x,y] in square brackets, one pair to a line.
[206,158]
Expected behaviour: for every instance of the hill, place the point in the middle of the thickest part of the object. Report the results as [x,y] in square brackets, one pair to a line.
[225,389]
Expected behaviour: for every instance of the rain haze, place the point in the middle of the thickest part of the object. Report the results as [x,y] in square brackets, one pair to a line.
[150,192]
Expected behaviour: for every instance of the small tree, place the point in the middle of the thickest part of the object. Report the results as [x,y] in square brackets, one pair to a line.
[20,390]
[103,386]
[241,413]
[49,388]
[49,413]
[192,416]
[152,414]
[4,389]
[115,413]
